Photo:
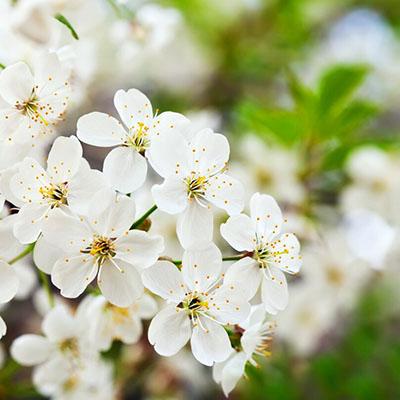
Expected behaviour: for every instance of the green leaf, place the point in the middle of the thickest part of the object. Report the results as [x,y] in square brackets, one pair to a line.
[302,95]
[338,84]
[2,66]
[284,126]
[64,21]
[355,115]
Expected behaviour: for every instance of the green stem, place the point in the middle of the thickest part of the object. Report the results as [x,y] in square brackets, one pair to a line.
[143,218]
[28,249]
[46,286]
[230,258]
[235,258]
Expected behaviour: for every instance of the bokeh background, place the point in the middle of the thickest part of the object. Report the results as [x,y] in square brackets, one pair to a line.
[308,92]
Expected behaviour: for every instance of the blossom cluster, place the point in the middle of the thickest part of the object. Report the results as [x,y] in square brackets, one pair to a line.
[86,235]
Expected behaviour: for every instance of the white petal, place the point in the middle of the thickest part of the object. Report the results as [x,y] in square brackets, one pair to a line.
[266,214]
[99,129]
[171,195]
[165,280]
[239,231]
[51,375]
[67,233]
[64,159]
[122,286]
[274,290]
[210,342]
[50,75]
[226,193]
[73,274]
[210,152]
[125,169]
[168,122]
[110,214]
[286,256]
[147,306]
[129,330]
[228,304]
[83,186]
[9,282]
[29,223]
[31,350]
[139,248]
[169,155]
[3,328]
[59,324]
[26,184]
[245,274]
[169,331]
[16,83]
[27,278]
[45,255]
[133,107]
[195,226]
[202,268]
[232,372]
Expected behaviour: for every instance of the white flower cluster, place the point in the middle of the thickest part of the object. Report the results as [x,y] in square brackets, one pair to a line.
[82,225]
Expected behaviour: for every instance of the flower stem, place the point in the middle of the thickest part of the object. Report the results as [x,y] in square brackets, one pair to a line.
[46,287]
[235,258]
[143,218]
[230,258]
[28,249]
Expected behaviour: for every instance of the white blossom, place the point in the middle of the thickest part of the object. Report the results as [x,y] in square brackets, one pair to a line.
[252,338]
[269,252]
[126,165]
[193,168]
[68,182]
[102,245]
[197,306]
[31,104]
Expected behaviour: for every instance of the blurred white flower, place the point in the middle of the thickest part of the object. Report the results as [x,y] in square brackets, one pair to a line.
[306,320]
[333,271]
[109,322]
[269,252]
[369,237]
[374,183]
[271,169]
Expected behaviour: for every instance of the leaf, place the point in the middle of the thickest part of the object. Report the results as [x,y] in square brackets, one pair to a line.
[2,66]
[284,126]
[64,21]
[355,115]
[338,84]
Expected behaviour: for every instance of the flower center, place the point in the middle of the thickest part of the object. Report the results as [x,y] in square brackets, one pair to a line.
[119,314]
[139,139]
[193,305]
[32,109]
[196,186]
[265,254]
[102,248]
[70,346]
[334,276]
[56,195]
